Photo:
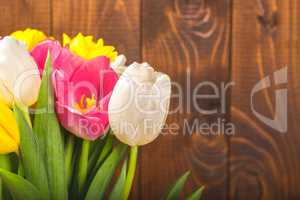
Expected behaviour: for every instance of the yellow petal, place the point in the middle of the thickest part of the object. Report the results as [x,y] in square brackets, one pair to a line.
[7,144]
[87,48]
[100,42]
[30,37]
[8,122]
[66,40]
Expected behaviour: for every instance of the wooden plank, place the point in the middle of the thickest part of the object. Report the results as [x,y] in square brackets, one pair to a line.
[264,163]
[20,14]
[178,37]
[117,21]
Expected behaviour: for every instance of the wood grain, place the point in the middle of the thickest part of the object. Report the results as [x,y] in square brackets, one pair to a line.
[189,40]
[264,163]
[195,41]
[20,14]
[117,21]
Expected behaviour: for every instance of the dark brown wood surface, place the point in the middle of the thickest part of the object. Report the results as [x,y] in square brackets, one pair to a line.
[264,163]
[189,40]
[221,41]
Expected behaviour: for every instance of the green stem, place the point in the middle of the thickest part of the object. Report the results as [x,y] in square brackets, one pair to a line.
[69,158]
[131,171]
[83,165]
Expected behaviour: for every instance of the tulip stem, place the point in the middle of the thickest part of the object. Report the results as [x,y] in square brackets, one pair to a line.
[83,165]
[131,171]
[69,158]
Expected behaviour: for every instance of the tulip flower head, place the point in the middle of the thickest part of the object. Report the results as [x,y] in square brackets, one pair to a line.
[30,37]
[9,133]
[19,75]
[139,104]
[82,89]
[87,48]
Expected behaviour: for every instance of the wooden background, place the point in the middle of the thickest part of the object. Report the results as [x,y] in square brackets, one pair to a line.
[212,40]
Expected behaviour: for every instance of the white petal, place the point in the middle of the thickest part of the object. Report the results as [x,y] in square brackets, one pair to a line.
[18,72]
[139,104]
[120,61]
[119,65]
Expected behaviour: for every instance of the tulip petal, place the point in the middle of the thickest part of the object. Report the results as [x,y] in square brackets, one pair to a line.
[81,89]
[67,62]
[95,77]
[62,88]
[139,104]
[61,57]
[18,73]
[8,144]
[8,122]
[40,52]
[5,93]
[89,126]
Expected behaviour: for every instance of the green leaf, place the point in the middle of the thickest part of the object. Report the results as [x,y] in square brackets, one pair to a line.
[95,150]
[196,195]
[19,187]
[47,128]
[33,165]
[5,163]
[105,173]
[1,190]
[106,150]
[104,153]
[177,187]
[118,190]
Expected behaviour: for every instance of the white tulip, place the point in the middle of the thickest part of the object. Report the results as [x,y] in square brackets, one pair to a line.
[19,74]
[119,65]
[139,104]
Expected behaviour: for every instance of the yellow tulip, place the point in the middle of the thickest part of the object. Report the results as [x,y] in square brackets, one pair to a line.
[87,48]
[9,132]
[30,37]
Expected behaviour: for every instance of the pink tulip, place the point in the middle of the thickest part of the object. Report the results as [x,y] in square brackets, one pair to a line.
[82,89]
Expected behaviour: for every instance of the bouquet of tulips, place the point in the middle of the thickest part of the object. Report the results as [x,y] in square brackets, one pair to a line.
[70,113]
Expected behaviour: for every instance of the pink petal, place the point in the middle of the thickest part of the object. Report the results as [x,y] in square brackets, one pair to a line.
[40,52]
[88,127]
[62,88]
[107,76]
[94,77]
[67,62]
[73,78]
